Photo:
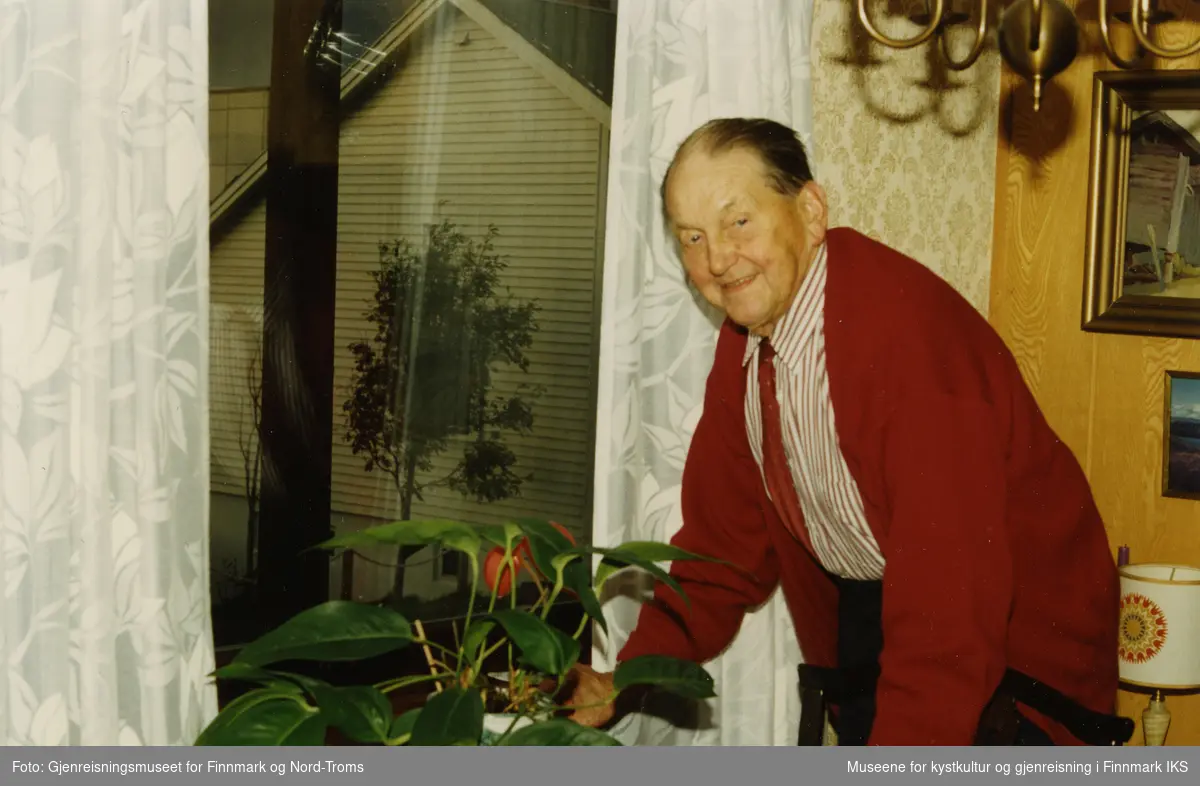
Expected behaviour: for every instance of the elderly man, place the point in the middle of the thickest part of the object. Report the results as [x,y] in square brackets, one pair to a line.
[868,443]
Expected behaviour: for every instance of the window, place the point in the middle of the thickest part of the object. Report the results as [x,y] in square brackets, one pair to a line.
[464,211]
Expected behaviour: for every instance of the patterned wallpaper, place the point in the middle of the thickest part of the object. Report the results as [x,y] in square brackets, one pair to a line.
[905,148]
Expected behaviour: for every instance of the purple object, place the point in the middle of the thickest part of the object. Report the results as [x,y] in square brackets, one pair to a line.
[1122,556]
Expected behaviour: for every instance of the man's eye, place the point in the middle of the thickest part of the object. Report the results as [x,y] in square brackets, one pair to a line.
[742,222]
[693,239]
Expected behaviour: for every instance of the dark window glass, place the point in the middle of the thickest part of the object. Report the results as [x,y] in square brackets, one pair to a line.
[464,208]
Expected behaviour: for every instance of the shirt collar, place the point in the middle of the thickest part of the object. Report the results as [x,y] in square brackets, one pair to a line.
[802,318]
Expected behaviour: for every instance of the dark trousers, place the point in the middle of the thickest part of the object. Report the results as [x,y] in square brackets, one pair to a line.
[860,643]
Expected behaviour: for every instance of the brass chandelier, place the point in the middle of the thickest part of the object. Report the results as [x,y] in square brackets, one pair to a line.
[1038,39]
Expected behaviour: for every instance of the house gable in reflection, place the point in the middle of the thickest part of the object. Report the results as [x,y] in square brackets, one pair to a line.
[460,116]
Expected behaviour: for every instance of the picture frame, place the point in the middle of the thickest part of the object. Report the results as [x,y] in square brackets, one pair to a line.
[1181,435]
[1142,258]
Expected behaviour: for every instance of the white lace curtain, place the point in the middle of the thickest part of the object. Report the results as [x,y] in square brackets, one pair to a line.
[678,64]
[104,621]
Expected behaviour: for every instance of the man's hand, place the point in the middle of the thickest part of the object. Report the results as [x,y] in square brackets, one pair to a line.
[590,694]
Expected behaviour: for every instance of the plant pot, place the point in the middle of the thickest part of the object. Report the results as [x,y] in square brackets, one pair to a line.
[496,723]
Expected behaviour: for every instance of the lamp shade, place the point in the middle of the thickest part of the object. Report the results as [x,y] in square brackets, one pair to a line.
[1159,638]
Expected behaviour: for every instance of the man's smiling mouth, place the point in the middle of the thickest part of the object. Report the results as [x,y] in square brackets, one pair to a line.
[734,286]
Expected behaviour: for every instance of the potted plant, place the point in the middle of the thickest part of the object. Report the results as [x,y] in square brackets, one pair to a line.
[467,705]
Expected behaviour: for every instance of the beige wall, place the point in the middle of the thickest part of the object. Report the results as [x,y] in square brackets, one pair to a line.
[910,164]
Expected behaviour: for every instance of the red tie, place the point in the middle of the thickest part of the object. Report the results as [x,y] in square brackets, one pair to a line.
[775,466]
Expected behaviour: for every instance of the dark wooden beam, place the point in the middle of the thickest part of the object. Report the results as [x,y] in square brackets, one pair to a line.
[299,291]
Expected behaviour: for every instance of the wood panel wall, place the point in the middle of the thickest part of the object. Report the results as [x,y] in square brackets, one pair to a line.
[1102,393]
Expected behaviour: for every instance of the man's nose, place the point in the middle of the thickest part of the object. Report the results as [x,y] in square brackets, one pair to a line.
[720,258]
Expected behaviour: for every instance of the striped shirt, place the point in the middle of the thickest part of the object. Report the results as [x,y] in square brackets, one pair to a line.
[829,498]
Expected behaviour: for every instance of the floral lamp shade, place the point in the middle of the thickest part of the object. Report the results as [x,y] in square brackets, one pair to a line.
[1159,637]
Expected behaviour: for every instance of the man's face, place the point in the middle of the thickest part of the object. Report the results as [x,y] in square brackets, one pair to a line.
[745,246]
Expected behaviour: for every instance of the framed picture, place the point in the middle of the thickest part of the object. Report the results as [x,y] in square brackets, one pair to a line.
[1143,223]
[1181,435]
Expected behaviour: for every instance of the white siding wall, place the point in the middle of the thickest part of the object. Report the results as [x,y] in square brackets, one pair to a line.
[236,276]
[237,133]
[467,125]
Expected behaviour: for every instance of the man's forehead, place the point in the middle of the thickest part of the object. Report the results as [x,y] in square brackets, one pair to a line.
[716,191]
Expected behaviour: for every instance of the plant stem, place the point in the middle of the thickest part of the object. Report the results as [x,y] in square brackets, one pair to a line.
[582,625]
[512,605]
[542,595]
[505,564]
[474,560]
[478,658]
[434,644]
[491,649]
[508,731]
[558,585]
[537,581]
[388,686]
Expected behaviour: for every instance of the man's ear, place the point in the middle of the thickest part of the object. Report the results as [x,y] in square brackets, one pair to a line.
[814,213]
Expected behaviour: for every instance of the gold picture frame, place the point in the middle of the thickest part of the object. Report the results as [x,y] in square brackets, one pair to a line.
[1142,273]
[1181,435]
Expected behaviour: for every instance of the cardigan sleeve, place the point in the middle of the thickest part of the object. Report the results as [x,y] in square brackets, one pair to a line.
[722,518]
[947,580]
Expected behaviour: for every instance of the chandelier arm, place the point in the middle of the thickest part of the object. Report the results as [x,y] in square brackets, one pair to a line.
[935,21]
[1035,26]
[1109,49]
[976,49]
[1137,21]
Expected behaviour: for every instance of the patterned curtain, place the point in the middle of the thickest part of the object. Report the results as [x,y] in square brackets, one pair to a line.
[680,63]
[104,622]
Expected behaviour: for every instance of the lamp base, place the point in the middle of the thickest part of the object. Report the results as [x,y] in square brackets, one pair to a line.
[1156,719]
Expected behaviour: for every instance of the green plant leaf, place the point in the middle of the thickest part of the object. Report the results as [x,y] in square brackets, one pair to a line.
[402,727]
[545,543]
[497,534]
[456,535]
[309,684]
[681,677]
[605,571]
[244,672]
[616,559]
[654,551]
[546,649]
[476,636]
[512,533]
[577,577]
[283,680]
[265,717]
[452,717]
[643,554]
[561,561]
[311,733]
[338,630]
[558,732]
[361,712]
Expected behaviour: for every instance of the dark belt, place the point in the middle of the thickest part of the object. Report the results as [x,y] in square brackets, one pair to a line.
[851,687]
[820,686]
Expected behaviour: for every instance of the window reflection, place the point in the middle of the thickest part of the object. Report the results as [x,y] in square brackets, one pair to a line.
[472,161]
